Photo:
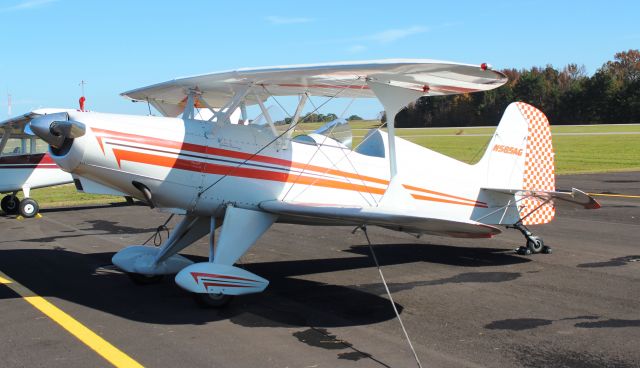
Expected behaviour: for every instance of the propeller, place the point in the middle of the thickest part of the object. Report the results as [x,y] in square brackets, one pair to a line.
[56,128]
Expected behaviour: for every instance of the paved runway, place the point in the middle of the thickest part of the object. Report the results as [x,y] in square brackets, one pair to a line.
[466,303]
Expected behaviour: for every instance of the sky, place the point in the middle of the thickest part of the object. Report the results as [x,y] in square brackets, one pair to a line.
[49,46]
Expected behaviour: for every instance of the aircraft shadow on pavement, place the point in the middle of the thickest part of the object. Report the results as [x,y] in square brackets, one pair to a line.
[79,208]
[90,207]
[91,280]
[96,227]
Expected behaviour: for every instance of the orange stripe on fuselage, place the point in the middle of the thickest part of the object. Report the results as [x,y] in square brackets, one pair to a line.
[232,154]
[178,163]
[471,201]
[209,168]
[434,199]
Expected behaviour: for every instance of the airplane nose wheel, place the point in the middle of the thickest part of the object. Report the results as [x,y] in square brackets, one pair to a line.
[9,204]
[212,300]
[535,244]
[28,208]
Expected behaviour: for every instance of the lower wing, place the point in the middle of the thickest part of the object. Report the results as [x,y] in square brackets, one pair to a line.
[315,213]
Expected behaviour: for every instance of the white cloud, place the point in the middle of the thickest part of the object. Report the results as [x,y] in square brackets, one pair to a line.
[28,4]
[387,36]
[355,49]
[274,19]
[392,35]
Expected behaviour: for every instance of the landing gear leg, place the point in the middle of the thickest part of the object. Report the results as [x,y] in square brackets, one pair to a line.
[212,300]
[146,265]
[214,283]
[534,245]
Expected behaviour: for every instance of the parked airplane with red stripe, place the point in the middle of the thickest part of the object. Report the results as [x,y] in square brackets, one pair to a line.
[25,164]
[210,167]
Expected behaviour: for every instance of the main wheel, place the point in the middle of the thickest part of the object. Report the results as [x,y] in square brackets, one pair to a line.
[9,204]
[212,300]
[535,244]
[141,279]
[28,208]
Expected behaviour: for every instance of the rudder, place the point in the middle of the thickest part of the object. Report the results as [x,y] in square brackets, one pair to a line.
[520,156]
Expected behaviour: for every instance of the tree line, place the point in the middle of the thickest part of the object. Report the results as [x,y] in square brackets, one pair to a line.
[317,118]
[566,96]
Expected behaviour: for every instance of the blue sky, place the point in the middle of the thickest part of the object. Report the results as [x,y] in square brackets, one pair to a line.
[48,46]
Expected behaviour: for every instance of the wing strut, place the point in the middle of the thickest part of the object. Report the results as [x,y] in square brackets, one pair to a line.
[393,99]
[267,116]
[189,106]
[296,116]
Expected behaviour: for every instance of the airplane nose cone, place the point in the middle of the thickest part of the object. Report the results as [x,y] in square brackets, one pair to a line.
[55,128]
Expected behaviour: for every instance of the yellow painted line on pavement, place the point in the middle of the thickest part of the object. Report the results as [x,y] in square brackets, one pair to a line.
[614,195]
[101,346]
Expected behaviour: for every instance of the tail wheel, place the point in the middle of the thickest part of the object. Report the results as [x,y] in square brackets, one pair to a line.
[212,300]
[535,244]
[28,208]
[10,204]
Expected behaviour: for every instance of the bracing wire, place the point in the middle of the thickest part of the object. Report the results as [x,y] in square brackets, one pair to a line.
[265,146]
[318,149]
[393,304]
[346,156]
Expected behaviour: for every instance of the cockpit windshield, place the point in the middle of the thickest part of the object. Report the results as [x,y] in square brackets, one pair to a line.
[15,143]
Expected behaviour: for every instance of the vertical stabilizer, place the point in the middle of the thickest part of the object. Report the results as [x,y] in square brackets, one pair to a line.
[520,156]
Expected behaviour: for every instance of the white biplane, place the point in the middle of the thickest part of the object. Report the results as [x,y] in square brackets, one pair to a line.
[25,164]
[244,178]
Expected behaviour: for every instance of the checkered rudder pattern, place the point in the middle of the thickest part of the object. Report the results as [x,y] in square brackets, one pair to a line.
[539,172]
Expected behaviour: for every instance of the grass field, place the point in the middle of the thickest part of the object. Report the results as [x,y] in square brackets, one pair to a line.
[67,195]
[579,149]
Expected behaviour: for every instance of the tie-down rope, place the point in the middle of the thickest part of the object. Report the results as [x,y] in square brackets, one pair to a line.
[393,304]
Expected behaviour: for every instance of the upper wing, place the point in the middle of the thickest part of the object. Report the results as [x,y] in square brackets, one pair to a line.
[431,77]
[392,219]
[574,198]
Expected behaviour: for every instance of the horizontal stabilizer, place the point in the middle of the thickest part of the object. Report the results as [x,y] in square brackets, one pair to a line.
[574,198]
[379,216]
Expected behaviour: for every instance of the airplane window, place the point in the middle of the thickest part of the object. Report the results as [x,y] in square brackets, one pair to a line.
[15,147]
[41,146]
[303,138]
[372,145]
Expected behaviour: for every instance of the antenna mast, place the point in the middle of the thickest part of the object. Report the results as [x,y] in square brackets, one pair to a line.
[82,98]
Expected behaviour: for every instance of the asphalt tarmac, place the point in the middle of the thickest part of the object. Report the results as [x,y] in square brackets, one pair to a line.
[465,303]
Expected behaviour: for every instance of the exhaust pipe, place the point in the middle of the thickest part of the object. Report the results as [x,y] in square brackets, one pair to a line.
[146,192]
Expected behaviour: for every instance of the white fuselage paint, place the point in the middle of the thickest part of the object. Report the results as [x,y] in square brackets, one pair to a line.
[30,171]
[201,166]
